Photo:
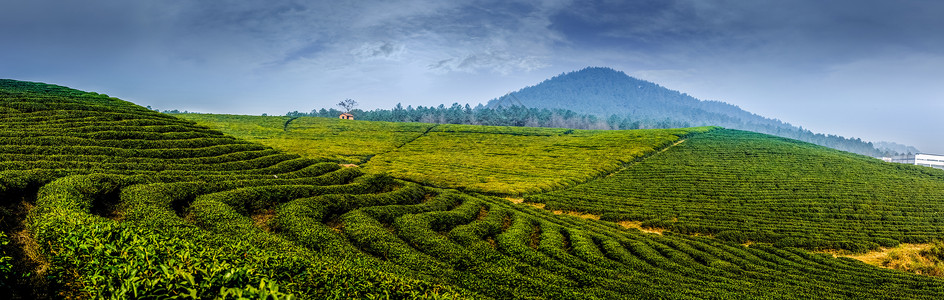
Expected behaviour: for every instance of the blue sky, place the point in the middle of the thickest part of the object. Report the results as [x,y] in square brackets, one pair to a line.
[864,68]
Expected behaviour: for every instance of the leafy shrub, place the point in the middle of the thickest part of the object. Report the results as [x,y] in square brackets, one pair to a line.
[118,261]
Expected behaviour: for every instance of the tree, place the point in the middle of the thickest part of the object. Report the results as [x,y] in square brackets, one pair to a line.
[347,105]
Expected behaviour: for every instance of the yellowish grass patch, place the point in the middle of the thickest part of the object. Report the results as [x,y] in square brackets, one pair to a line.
[638,225]
[577,214]
[262,218]
[914,258]
[515,200]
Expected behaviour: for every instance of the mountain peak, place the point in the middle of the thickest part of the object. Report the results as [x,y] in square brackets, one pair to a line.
[600,91]
[599,70]
[607,92]
[596,73]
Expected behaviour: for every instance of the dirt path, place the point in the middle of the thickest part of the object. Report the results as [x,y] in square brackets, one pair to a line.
[369,157]
[673,145]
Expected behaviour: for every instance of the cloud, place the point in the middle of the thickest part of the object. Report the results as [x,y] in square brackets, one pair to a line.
[378,50]
[442,64]
[803,33]
[497,62]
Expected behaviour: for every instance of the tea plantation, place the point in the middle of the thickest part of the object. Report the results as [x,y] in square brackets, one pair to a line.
[348,142]
[748,187]
[105,199]
[484,159]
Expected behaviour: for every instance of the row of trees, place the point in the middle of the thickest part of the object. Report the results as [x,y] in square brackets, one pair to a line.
[501,116]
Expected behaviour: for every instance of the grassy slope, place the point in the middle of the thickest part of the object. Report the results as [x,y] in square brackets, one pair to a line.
[745,186]
[342,140]
[108,199]
[510,160]
[737,185]
[184,207]
[489,159]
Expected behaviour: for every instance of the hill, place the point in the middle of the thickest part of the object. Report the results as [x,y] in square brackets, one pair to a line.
[484,159]
[106,199]
[103,198]
[606,92]
[323,138]
[740,186]
[749,187]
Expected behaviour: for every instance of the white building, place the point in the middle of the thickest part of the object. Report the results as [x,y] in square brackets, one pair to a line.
[920,159]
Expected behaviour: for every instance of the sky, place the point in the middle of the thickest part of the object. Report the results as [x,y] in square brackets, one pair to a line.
[857,68]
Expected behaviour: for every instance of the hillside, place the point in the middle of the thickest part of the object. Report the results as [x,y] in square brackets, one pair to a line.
[344,142]
[748,187]
[740,186]
[606,92]
[106,199]
[485,159]
[103,198]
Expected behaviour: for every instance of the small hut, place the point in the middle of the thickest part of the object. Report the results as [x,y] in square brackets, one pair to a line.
[347,116]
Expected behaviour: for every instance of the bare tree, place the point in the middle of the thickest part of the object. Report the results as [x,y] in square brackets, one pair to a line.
[347,105]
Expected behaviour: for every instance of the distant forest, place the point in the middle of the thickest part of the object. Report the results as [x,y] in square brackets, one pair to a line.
[515,115]
[604,92]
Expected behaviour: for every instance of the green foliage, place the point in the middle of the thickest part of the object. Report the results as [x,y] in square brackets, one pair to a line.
[935,252]
[341,140]
[510,160]
[742,186]
[118,261]
[176,210]
[135,204]
[7,274]
[489,159]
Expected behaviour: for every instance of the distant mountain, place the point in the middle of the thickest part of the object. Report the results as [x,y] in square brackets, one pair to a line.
[613,94]
[895,147]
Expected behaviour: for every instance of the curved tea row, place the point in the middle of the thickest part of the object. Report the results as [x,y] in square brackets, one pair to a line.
[113,186]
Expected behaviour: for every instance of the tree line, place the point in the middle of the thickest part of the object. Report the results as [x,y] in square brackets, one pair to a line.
[520,116]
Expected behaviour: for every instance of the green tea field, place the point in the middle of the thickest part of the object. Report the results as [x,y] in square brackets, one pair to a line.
[102,198]
[747,187]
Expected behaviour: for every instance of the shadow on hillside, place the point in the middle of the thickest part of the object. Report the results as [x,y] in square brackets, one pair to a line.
[27,279]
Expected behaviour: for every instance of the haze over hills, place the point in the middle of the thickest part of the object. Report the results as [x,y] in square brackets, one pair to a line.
[606,92]
[895,147]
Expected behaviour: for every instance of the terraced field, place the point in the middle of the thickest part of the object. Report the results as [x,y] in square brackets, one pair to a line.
[742,186]
[109,200]
[509,160]
[484,159]
[346,141]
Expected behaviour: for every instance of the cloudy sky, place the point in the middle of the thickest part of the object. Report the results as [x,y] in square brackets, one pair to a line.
[861,68]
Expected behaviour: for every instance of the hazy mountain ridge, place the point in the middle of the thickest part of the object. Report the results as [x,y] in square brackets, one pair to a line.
[895,147]
[607,92]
